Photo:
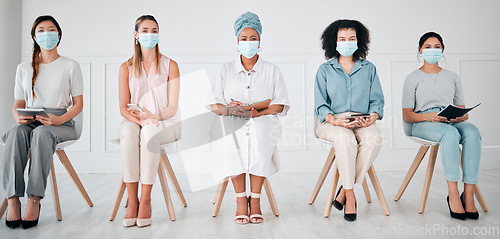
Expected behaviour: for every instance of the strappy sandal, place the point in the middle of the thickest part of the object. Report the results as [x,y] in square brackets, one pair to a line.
[244,217]
[255,216]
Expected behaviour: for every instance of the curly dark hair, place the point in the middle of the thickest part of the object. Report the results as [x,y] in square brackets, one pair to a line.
[329,38]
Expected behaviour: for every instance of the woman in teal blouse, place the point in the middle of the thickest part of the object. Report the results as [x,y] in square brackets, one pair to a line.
[348,84]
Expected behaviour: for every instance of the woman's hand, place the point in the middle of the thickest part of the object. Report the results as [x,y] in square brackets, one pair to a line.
[345,123]
[368,121]
[235,103]
[255,113]
[460,119]
[152,121]
[144,115]
[24,119]
[53,120]
[433,117]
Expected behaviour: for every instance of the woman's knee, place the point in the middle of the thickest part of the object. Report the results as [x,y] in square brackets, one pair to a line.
[129,131]
[41,133]
[450,133]
[470,132]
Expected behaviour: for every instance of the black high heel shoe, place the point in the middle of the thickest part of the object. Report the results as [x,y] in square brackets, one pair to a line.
[459,216]
[336,203]
[351,217]
[470,215]
[13,224]
[29,224]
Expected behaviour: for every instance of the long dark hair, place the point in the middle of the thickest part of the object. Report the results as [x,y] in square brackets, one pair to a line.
[35,57]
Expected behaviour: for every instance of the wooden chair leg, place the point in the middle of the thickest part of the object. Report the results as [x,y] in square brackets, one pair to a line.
[331,192]
[173,178]
[166,192]
[216,196]
[270,197]
[220,196]
[322,176]
[67,164]
[118,200]
[413,168]
[480,199]
[428,178]
[55,193]
[378,190]
[3,206]
[366,191]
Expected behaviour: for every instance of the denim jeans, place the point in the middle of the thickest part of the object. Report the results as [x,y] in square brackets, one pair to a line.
[449,136]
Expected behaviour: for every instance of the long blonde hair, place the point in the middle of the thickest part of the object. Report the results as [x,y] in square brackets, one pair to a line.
[35,57]
[136,59]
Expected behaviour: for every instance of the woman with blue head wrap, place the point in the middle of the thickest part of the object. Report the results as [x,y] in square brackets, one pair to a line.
[251,149]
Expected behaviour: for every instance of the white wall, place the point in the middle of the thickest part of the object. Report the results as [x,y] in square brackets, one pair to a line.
[10,55]
[200,36]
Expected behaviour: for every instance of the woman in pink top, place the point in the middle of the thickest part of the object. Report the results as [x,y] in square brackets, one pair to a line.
[149,80]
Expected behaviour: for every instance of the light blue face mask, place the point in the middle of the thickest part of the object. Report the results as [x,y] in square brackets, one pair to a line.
[347,48]
[432,55]
[47,40]
[149,40]
[248,48]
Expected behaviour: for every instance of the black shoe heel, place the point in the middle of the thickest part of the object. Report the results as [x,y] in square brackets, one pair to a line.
[351,217]
[470,215]
[29,224]
[339,206]
[13,224]
[459,216]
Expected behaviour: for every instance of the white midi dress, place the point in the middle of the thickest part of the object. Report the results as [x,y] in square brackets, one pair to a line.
[247,145]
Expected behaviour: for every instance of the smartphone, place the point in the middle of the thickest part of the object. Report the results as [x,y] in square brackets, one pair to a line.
[353,117]
[135,107]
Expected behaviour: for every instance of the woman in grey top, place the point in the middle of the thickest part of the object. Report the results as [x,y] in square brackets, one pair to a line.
[428,90]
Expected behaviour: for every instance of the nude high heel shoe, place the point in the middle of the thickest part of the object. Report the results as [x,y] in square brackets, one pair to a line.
[146,221]
[244,217]
[255,215]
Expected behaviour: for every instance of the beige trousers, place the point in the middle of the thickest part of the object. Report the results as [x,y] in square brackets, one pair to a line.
[140,149]
[355,149]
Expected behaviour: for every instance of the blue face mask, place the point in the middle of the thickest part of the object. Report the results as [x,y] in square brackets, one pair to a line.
[248,48]
[149,40]
[432,55]
[347,48]
[47,40]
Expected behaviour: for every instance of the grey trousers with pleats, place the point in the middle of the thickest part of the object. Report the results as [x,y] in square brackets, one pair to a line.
[41,140]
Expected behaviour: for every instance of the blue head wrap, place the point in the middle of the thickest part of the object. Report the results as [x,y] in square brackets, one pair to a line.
[247,20]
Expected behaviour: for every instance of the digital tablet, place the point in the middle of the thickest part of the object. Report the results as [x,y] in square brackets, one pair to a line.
[32,112]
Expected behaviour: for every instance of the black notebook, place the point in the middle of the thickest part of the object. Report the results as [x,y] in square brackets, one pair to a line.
[453,111]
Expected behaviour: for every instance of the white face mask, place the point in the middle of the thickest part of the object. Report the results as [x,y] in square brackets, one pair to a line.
[347,48]
[248,48]
[432,55]
[149,40]
[47,40]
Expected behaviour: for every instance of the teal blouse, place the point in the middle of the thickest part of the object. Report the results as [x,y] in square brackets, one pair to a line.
[337,92]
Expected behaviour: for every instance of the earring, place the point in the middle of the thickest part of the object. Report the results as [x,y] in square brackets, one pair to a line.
[136,42]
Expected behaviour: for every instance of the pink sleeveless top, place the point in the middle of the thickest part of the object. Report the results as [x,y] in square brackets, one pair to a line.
[150,91]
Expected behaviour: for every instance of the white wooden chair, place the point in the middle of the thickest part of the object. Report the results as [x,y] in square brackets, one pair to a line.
[425,144]
[67,164]
[164,166]
[335,178]
[221,190]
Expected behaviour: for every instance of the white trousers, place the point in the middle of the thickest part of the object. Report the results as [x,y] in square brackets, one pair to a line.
[140,149]
[355,149]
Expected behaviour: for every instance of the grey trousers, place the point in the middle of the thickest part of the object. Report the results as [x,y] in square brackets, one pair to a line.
[41,140]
